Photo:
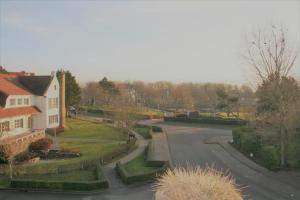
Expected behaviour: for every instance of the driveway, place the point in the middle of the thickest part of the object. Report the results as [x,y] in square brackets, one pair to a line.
[189,145]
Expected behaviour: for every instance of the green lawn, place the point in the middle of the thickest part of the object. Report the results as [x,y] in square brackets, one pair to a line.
[4,181]
[143,131]
[87,130]
[83,136]
[137,166]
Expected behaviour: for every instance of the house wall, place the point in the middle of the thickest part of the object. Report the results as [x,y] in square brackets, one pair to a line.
[52,92]
[16,97]
[40,120]
[15,131]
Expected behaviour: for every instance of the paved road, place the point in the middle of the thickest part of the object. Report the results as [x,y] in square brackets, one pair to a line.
[187,144]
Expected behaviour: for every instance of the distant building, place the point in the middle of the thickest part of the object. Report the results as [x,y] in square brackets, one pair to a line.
[29,105]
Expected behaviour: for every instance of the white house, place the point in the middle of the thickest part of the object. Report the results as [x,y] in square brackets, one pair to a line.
[29,105]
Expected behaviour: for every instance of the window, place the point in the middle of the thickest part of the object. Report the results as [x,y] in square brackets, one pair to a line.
[4,126]
[54,87]
[53,103]
[12,102]
[30,122]
[19,123]
[53,119]
[26,101]
[20,101]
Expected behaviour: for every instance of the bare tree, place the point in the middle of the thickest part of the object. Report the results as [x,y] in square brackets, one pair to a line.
[269,53]
[278,93]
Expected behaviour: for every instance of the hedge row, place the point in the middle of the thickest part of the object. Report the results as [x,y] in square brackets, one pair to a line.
[100,183]
[207,120]
[150,176]
[247,141]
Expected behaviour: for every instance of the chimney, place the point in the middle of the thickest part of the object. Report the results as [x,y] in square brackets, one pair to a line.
[62,101]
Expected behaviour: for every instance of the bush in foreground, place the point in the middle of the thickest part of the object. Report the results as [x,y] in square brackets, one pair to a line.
[196,183]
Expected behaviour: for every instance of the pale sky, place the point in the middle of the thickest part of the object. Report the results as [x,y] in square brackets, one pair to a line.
[198,41]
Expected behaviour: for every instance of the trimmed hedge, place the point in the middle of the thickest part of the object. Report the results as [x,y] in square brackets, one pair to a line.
[100,183]
[269,156]
[150,176]
[246,140]
[156,129]
[207,120]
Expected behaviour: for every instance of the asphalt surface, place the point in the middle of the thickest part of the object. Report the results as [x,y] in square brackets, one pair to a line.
[187,145]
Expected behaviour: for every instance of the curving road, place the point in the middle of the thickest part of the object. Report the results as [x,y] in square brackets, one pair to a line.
[189,145]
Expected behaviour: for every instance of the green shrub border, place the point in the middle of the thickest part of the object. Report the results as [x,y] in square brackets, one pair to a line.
[207,120]
[100,183]
[141,177]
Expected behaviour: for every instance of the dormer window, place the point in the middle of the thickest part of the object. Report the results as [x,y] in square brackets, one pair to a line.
[26,101]
[12,102]
[20,101]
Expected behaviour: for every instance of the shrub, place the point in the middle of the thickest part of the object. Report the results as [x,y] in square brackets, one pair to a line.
[269,156]
[156,129]
[207,120]
[246,139]
[198,184]
[24,156]
[41,145]
[148,176]
[5,152]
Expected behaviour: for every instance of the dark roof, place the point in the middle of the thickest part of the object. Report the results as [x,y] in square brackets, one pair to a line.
[3,98]
[37,85]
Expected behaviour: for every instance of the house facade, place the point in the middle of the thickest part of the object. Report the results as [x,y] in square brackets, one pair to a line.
[29,105]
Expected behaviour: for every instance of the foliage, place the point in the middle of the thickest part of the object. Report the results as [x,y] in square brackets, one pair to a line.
[64,182]
[269,156]
[278,106]
[143,131]
[167,96]
[72,89]
[156,129]
[137,170]
[41,145]
[5,152]
[196,183]
[3,70]
[109,90]
[209,120]
[246,139]
[227,103]
[24,156]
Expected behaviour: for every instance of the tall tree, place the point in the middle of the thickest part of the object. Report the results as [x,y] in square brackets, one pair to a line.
[272,58]
[3,70]
[73,93]
[110,90]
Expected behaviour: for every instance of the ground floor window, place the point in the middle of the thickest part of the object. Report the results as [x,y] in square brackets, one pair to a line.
[30,122]
[53,119]
[4,126]
[19,123]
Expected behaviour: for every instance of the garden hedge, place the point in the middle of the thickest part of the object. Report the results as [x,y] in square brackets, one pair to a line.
[269,156]
[150,176]
[207,120]
[100,183]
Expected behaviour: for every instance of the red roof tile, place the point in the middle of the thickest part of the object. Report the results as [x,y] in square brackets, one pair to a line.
[11,112]
[10,88]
